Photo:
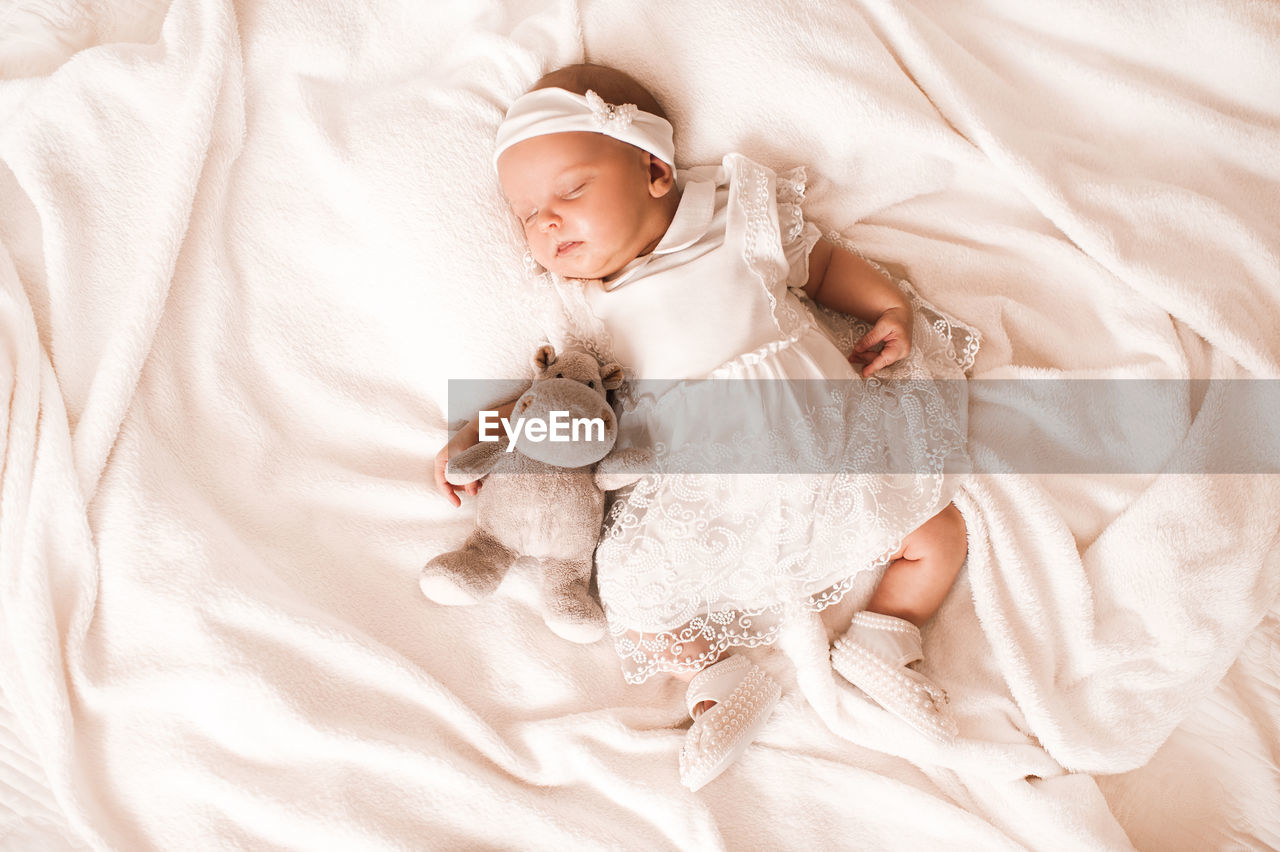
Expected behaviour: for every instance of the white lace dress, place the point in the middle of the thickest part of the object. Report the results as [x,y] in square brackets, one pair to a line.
[783,473]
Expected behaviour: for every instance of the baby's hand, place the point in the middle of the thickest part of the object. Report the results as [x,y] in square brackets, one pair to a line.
[893,330]
[446,488]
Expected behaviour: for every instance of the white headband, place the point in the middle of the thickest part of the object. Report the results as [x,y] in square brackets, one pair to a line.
[545,111]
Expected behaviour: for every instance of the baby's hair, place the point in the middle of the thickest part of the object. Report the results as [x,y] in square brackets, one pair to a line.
[611,84]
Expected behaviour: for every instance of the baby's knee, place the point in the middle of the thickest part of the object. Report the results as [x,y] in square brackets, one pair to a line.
[955,531]
[944,537]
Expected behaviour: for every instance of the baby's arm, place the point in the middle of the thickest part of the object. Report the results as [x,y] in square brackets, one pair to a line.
[468,436]
[842,281]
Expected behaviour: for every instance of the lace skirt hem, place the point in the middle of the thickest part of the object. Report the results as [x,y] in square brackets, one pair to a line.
[705,638]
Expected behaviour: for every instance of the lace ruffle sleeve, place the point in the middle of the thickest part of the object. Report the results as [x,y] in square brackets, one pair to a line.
[798,236]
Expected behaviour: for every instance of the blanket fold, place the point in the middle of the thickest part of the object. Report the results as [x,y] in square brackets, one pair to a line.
[245,247]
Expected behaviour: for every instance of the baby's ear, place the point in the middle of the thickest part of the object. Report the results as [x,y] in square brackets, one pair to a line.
[661,177]
[611,376]
[545,357]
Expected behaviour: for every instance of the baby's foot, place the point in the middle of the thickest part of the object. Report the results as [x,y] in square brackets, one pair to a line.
[736,699]
[876,655]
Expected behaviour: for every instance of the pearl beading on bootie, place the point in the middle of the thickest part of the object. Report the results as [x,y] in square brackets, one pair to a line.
[906,693]
[720,734]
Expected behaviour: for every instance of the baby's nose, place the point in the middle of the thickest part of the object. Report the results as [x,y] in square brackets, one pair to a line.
[548,220]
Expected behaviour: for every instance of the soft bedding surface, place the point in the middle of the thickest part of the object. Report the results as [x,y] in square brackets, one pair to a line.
[244,247]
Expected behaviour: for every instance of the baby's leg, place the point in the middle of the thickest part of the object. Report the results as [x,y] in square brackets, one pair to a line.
[879,652]
[692,649]
[729,698]
[923,571]
[701,706]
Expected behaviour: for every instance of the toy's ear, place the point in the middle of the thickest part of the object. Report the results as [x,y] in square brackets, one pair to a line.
[611,376]
[545,357]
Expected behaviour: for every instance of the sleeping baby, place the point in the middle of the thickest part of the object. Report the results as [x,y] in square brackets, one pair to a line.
[699,275]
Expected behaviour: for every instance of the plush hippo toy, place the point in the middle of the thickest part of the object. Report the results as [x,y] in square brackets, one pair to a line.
[543,499]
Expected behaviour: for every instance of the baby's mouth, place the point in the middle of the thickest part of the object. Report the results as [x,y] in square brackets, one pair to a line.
[566,247]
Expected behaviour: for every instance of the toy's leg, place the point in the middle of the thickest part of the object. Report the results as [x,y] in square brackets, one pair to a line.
[468,574]
[567,605]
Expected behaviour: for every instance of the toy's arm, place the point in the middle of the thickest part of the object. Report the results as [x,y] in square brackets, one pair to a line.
[622,467]
[475,461]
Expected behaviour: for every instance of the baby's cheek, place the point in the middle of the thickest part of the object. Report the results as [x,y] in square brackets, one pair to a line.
[537,244]
[591,221]
[544,259]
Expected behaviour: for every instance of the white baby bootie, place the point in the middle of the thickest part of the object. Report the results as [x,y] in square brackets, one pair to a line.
[744,696]
[875,655]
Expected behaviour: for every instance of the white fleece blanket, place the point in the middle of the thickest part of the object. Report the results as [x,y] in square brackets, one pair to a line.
[242,252]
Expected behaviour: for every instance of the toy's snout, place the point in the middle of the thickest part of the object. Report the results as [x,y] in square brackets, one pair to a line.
[564,423]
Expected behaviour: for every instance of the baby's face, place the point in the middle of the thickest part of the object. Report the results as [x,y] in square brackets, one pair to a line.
[587,202]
